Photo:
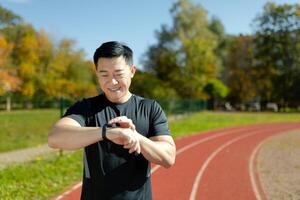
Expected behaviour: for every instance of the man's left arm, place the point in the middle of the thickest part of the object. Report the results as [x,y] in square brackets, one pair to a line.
[160,149]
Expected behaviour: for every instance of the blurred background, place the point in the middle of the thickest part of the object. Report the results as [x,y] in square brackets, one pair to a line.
[191,56]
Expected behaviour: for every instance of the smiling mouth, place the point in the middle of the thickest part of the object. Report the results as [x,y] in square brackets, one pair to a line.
[114,89]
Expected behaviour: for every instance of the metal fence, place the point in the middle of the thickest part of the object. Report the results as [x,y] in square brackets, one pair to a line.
[170,106]
[173,106]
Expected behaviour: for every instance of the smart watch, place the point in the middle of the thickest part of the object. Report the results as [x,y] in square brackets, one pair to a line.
[104,128]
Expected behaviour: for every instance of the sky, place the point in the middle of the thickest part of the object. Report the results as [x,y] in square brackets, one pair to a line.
[134,22]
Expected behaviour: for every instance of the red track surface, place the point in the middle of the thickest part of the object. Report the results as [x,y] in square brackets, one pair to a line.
[216,165]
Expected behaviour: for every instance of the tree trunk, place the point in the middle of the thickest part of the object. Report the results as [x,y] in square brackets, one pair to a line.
[8,103]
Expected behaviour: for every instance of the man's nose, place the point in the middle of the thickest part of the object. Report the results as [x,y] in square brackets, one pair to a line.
[114,81]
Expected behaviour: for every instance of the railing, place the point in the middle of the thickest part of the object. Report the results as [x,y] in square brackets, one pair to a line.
[170,106]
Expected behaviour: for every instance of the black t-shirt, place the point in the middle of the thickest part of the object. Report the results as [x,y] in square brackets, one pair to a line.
[110,172]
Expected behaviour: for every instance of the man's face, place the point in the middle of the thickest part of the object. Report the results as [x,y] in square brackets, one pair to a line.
[114,77]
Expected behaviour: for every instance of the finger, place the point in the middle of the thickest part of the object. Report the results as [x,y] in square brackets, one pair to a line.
[127,124]
[132,126]
[136,151]
[117,119]
[127,146]
[138,145]
[139,149]
[124,124]
[134,147]
[113,121]
[129,143]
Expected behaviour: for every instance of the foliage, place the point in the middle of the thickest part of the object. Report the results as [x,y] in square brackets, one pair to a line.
[9,82]
[8,18]
[67,74]
[240,74]
[277,50]
[35,67]
[215,88]
[147,85]
[184,56]
[192,59]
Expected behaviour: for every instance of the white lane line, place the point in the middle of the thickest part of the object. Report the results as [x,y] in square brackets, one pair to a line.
[254,181]
[251,170]
[181,150]
[191,145]
[209,159]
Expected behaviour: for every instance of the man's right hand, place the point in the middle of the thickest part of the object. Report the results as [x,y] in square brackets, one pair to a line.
[127,137]
[123,121]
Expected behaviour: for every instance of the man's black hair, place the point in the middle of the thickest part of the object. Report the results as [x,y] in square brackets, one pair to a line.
[113,49]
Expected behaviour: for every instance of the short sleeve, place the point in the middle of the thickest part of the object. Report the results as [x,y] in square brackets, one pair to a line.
[158,123]
[77,112]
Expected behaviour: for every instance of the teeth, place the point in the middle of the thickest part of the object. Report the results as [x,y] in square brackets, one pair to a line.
[115,89]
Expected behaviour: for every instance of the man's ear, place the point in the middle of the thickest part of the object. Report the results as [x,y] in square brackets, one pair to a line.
[132,70]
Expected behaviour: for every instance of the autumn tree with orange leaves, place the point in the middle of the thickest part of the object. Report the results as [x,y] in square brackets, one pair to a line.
[9,82]
[34,69]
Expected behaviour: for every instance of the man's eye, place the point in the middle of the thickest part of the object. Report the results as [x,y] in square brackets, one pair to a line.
[119,75]
[104,75]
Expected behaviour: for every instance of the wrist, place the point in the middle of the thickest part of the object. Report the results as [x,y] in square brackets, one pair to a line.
[108,129]
[104,132]
[139,136]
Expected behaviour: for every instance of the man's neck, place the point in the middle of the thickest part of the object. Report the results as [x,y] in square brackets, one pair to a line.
[123,99]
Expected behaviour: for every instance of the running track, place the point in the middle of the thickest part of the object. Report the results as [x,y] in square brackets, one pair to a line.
[214,165]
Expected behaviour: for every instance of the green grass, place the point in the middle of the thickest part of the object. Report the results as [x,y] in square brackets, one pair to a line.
[21,129]
[47,177]
[211,120]
[42,178]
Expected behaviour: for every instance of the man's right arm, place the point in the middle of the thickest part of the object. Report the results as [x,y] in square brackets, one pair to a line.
[67,134]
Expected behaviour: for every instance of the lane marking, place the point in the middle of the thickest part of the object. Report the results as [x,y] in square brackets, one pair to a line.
[255,182]
[191,145]
[212,156]
[181,150]
[251,170]
[185,148]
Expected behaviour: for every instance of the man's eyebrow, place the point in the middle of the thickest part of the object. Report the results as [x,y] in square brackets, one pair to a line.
[105,71]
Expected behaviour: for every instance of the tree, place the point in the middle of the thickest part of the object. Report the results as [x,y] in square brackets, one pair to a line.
[149,86]
[277,50]
[216,90]
[184,56]
[35,69]
[240,75]
[24,57]
[223,43]
[8,18]
[67,74]
[9,82]
[161,64]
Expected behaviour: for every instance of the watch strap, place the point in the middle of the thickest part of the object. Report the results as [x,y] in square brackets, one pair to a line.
[104,127]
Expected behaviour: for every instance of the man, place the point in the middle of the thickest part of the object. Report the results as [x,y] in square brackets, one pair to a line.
[121,133]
